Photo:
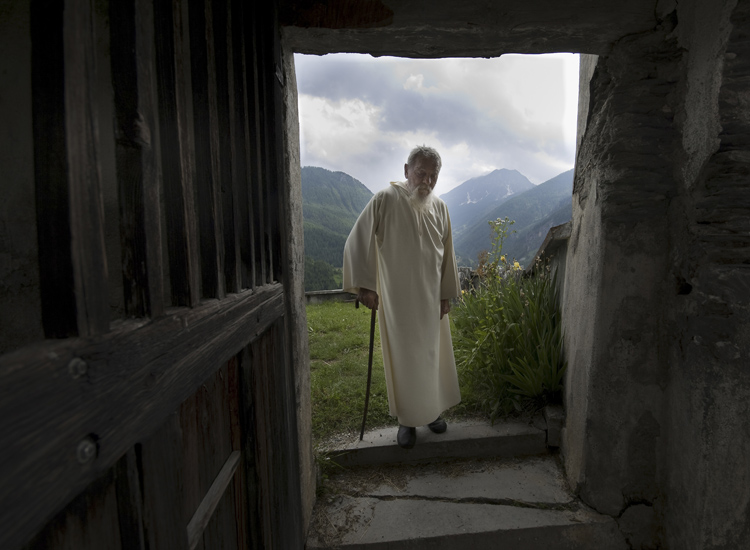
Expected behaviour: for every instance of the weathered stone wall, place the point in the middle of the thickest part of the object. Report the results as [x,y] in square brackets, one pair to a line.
[706,465]
[616,274]
[658,284]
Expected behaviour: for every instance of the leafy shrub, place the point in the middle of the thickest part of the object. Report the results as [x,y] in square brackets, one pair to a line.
[508,335]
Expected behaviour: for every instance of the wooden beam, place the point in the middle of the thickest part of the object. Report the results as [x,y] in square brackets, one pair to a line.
[70,409]
[138,170]
[205,510]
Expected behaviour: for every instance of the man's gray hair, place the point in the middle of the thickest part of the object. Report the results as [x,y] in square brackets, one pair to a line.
[425,152]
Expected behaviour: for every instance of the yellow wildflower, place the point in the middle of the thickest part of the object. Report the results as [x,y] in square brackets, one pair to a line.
[516,265]
[502,258]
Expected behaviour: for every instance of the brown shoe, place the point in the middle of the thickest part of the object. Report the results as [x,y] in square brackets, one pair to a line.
[438,426]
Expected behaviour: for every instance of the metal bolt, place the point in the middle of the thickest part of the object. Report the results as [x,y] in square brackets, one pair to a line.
[77,367]
[86,451]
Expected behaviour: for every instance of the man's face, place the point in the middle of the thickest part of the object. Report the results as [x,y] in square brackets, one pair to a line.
[422,175]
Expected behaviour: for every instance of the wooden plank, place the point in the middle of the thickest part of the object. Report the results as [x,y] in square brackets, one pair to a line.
[286,431]
[240,144]
[265,98]
[279,215]
[257,176]
[273,131]
[264,451]
[250,485]
[211,426]
[134,84]
[129,501]
[57,281]
[86,209]
[164,513]
[207,153]
[177,152]
[126,382]
[235,417]
[228,128]
[206,509]
[89,522]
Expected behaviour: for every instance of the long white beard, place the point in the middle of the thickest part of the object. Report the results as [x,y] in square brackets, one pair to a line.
[420,203]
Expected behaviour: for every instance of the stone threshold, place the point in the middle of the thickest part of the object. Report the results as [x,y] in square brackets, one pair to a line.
[464,503]
[462,440]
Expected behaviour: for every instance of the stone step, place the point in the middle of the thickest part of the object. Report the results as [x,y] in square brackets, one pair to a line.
[467,503]
[461,440]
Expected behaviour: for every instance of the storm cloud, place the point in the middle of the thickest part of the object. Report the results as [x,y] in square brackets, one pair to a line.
[361,115]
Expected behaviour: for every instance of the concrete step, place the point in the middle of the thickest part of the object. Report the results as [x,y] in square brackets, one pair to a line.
[461,440]
[467,503]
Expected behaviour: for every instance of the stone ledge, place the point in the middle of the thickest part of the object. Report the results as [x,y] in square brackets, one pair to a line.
[462,440]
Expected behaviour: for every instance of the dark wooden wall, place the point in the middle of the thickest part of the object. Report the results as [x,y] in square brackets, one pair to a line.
[159,410]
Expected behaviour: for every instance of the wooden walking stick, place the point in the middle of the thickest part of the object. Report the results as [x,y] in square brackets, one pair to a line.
[369,369]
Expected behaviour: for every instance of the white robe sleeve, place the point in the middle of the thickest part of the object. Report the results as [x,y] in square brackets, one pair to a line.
[360,266]
[449,282]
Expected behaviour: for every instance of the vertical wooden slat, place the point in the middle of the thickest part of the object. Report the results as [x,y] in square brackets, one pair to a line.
[264,450]
[265,96]
[241,150]
[255,106]
[235,417]
[221,532]
[226,128]
[129,502]
[164,514]
[86,207]
[286,432]
[207,148]
[70,232]
[250,443]
[177,150]
[138,170]
[57,286]
[278,182]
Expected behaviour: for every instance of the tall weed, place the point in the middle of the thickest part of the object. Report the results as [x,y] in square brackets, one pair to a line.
[508,335]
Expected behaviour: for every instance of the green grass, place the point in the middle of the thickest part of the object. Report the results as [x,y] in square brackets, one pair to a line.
[339,339]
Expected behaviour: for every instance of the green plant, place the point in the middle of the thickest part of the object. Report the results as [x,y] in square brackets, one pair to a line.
[508,335]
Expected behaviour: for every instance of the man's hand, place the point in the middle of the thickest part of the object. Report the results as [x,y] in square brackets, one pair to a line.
[368,298]
[445,307]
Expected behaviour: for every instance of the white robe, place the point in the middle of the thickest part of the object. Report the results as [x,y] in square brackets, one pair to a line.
[408,258]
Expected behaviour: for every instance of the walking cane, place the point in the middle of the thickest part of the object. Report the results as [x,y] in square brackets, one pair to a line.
[369,369]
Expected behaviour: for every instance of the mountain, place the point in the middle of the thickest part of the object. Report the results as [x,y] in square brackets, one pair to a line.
[473,199]
[534,212]
[331,203]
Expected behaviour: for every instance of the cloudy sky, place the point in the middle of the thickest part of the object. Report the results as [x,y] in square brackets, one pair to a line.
[362,115]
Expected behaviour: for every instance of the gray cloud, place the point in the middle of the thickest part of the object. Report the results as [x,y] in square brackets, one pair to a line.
[487,125]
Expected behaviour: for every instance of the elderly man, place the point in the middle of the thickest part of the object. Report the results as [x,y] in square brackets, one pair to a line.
[399,259]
